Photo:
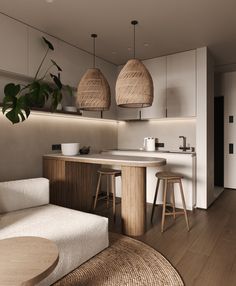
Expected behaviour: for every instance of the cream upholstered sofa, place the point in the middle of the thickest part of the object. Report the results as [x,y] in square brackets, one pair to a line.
[25,211]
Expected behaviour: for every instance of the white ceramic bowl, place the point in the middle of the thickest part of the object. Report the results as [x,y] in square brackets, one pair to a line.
[70,149]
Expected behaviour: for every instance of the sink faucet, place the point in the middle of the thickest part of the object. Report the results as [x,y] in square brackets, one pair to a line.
[184,147]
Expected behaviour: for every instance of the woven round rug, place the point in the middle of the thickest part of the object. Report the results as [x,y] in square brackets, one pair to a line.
[125,262]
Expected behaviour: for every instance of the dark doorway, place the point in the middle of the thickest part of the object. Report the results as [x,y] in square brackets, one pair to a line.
[219,140]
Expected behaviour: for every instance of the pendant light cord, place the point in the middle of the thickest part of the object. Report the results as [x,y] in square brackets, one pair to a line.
[94,36]
[134,23]
[134,42]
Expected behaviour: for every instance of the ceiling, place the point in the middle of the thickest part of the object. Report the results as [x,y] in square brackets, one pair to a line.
[165,26]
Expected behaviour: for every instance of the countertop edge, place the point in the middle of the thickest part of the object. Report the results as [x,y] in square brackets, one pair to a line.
[132,161]
[150,152]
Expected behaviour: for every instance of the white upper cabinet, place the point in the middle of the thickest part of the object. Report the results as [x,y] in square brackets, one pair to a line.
[157,69]
[181,84]
[13,46]
[174,80]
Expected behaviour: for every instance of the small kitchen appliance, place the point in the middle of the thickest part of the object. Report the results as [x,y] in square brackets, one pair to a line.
[149,144]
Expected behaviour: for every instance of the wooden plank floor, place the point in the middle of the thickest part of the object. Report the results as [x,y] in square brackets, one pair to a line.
[205,256]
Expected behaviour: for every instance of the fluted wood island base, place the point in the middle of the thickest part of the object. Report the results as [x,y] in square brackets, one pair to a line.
[73,182]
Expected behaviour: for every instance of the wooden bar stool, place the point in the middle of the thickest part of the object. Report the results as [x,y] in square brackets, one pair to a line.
[110,174]
[169,179]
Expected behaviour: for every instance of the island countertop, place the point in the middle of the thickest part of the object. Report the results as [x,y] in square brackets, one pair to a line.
[150,152]
[108,159]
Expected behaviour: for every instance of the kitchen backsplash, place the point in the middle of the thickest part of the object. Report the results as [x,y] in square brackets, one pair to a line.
[131,134]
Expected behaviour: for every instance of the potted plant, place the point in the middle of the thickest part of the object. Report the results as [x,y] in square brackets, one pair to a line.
[20,99]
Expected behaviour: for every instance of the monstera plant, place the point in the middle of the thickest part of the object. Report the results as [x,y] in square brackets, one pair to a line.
[20,99]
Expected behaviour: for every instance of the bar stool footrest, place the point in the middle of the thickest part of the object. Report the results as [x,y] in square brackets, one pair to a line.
[176,213]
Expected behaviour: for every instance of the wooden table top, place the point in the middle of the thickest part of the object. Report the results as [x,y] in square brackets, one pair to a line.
[108,159]
[26,260]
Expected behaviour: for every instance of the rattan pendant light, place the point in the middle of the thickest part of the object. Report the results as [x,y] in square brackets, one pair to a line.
[134,85]
[93,92]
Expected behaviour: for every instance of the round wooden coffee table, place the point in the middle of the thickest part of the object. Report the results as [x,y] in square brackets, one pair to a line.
[26,260]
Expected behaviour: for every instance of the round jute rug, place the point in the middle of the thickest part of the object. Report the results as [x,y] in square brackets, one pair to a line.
[125,262]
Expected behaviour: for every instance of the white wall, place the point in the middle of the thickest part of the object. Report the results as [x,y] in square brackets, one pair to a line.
[131,134]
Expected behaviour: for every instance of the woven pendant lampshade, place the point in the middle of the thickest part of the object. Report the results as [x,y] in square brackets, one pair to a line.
[93,93]
[134,85]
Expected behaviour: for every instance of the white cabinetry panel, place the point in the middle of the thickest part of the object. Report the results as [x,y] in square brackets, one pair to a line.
[181,84]
[13,47]
[157,69]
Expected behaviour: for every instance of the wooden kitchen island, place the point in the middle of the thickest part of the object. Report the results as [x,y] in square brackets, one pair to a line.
[73,182]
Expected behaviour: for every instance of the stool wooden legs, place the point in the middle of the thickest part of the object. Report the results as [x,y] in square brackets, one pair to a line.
[171,182]
[173,200]
[97,191]
[164,205]
[155,198]
[183,202]
[113,188]
[113,191]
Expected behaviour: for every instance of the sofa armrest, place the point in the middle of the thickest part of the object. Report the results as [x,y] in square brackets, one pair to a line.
[21,194]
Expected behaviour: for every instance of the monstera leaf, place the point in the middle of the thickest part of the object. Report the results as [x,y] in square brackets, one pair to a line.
[49,44]
[16,109]
[38,94]
[55,64]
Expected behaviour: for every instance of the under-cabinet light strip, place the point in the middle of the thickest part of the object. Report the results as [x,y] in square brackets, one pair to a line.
[72,116]
[173,119]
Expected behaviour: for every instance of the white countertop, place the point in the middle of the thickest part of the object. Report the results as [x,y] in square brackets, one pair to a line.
[156,151]
[108,159]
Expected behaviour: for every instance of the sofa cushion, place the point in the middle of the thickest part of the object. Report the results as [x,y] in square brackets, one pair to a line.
[21,194]
[78,235]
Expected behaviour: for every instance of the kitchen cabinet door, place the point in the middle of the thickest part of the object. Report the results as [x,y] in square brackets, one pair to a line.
[181,84]
[13,47]
[157,69]
[37,49]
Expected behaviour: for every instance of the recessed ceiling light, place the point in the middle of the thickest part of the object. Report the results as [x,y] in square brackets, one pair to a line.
[146,44]
[113,52]
[49,1]
[129,49]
